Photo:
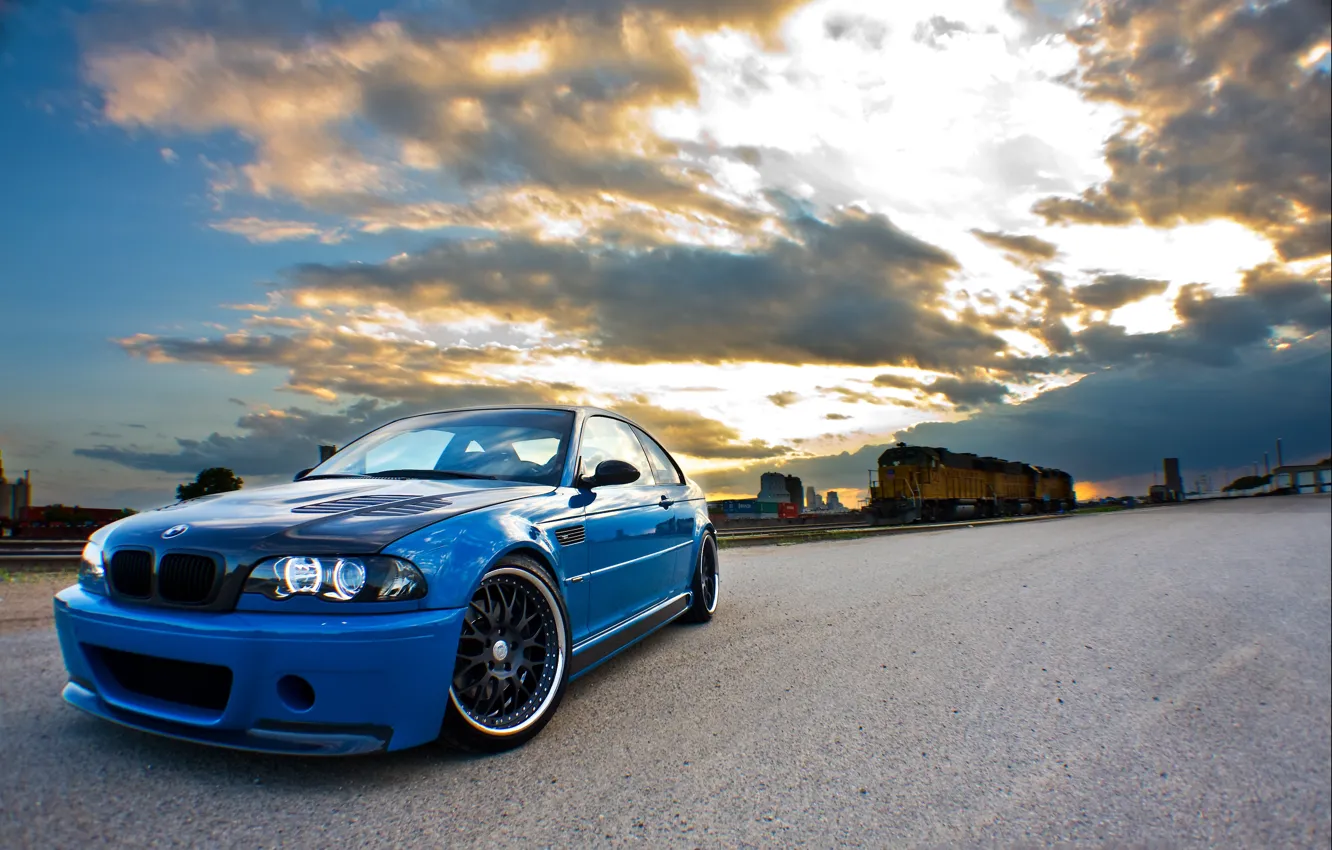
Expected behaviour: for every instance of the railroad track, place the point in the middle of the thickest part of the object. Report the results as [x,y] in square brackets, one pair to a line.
[39,555]
[64,554]
[777,532]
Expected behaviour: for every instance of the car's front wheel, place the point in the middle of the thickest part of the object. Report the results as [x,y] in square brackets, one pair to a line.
[706,583]
[513,659]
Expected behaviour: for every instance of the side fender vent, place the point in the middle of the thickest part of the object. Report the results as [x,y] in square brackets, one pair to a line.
[571,535]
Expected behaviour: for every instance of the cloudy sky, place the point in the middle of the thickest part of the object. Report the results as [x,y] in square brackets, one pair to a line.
[780,233]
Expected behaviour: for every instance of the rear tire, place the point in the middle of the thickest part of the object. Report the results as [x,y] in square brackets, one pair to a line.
[512,663]
[706,583]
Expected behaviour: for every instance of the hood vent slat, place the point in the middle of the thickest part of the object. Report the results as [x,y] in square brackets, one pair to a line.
[419,506]
[378,505]
[352,503]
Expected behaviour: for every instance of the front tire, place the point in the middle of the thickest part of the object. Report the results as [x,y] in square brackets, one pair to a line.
[705,585]
[512,663]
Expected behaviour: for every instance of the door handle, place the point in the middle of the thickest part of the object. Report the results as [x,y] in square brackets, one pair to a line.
[665,502]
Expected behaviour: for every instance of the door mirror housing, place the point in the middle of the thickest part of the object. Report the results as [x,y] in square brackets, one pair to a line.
[611,473]
[302,474]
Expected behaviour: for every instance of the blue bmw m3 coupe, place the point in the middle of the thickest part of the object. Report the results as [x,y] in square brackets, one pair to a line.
[444,576]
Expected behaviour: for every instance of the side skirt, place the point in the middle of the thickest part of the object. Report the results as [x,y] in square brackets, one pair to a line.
[601,647]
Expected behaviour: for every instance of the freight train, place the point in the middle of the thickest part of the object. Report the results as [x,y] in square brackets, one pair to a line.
[925,484]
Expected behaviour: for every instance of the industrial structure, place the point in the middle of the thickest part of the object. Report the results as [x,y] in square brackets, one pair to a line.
[15,497]
[780,497]
[1303,478]
[796,493]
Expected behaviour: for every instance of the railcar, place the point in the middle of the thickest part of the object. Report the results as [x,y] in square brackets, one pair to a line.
[931,484]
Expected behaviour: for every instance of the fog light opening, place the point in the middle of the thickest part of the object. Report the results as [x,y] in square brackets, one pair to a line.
[296,693]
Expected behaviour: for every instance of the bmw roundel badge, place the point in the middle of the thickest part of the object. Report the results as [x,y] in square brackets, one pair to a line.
[175,531]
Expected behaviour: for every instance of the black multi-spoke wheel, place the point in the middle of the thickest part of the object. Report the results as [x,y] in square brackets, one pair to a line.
[512,659]
[706,582]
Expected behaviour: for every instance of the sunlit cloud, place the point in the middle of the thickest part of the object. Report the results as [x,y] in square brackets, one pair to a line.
[269,230]
[768,228]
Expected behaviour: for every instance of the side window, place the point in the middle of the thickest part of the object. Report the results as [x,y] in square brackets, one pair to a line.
[662,468]
[610,439]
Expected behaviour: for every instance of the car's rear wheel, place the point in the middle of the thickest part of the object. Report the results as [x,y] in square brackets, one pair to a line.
[706,582]
[512,662]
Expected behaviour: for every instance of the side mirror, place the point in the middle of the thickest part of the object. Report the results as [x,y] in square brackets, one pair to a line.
[611,473]
[302,474]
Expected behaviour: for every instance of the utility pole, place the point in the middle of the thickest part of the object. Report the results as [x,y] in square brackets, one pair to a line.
[1279,461]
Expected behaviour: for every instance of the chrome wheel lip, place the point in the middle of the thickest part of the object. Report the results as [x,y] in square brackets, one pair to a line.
[561,639]
[710,605]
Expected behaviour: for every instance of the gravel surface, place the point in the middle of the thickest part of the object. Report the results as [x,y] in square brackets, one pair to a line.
[1155,677]
[25,599]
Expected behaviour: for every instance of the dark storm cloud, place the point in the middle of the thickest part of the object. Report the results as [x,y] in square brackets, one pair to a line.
[1050,303]
[963,392]
[688,433]
[1226,118]
[968,394]
[1213,329]
[897,382]
[1123,422]
[272,442]
[852,289]
[1022,249]
[1092,207]
[279,442]
[1307,240]
[1112,291]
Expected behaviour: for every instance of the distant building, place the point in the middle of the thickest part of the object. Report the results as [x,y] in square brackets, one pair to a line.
[812,500]
[796,492]
[15,497]
[834,503]
[1174,484]
[772,488]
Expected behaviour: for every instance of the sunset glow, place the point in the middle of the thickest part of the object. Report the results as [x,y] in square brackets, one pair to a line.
[784,233]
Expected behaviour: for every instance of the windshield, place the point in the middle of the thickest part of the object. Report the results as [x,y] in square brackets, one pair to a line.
[516,445]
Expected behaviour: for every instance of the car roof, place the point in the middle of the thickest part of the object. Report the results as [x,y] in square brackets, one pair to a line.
[584,409]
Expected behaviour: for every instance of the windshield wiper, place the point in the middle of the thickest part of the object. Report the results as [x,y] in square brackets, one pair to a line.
[429,473]
[334,475]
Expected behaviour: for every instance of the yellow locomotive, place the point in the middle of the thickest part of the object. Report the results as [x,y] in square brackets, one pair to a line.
[925,484]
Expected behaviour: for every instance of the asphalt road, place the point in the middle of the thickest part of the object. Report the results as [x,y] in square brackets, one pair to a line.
[1155,677]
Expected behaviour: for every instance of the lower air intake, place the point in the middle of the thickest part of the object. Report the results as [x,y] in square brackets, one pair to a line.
[206,686]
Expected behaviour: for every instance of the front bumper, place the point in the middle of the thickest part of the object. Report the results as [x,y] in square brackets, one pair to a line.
[363,682]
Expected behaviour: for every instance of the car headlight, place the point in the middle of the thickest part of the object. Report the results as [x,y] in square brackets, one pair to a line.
[362,578]
[92,568]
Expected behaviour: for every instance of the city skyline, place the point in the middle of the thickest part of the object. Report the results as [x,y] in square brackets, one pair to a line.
[781,234]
